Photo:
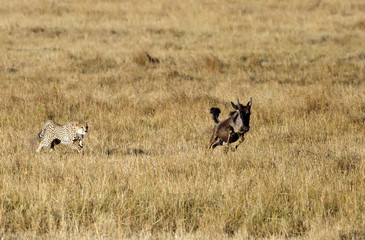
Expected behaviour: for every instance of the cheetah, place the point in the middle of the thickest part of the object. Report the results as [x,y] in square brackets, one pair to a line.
[68,134]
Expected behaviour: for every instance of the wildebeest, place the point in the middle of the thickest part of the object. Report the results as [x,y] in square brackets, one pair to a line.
[233,128]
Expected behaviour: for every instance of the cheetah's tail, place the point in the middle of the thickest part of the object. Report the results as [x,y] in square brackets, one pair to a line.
[40,135]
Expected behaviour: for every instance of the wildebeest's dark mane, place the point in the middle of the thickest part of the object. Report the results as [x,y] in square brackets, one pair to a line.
[231,113]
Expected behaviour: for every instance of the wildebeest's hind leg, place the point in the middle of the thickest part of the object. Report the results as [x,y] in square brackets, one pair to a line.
[217,143]
[213,141]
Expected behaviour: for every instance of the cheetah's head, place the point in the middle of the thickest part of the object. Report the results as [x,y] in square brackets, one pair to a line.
[82,128]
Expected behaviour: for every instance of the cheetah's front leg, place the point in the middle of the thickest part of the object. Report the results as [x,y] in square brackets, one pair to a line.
[75,146]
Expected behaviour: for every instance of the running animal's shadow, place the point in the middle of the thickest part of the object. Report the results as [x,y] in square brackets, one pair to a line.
[128,151]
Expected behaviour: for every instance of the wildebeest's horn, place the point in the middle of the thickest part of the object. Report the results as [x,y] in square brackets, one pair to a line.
[238,102]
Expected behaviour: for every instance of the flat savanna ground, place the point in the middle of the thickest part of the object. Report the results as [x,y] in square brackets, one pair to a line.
[144,75]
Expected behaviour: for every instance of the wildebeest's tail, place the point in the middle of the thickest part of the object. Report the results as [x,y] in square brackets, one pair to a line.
[40,135]
[215,113]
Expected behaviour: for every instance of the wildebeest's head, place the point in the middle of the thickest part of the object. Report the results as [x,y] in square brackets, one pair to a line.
[241,117]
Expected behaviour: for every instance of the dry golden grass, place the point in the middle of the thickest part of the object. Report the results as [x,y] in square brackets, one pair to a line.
[299,174]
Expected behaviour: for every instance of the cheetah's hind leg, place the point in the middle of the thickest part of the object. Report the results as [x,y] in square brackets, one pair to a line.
[42,144]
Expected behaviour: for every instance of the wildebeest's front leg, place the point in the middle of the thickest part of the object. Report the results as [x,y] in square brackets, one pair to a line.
[242,138]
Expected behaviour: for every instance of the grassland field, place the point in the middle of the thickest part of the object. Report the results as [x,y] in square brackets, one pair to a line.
[144,75]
